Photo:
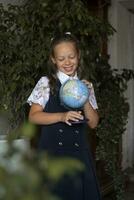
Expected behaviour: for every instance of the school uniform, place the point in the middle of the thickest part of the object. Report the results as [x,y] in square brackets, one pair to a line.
[62,140]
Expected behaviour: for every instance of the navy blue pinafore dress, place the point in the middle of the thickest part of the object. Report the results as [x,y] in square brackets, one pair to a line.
[64,140]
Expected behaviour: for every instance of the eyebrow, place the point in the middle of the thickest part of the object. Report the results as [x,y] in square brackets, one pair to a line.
[62,56]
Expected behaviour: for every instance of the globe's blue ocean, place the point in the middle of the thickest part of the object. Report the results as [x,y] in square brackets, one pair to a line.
[74,93]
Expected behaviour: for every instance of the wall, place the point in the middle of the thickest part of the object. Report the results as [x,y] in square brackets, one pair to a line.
[121,51]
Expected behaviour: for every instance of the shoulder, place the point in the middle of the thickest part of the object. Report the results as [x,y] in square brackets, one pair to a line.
[40,93]
[43,81]
[42,86]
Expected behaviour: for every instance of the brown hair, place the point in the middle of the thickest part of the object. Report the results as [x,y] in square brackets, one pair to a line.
[52,69]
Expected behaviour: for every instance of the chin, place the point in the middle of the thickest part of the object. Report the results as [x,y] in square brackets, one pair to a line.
[70,73]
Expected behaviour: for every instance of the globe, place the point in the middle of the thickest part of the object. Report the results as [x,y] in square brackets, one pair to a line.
[74,93]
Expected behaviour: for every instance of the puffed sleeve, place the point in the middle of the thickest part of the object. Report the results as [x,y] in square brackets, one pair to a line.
[92,98]
[40,93]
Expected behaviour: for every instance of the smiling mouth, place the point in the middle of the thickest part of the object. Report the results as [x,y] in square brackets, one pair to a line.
[68,69]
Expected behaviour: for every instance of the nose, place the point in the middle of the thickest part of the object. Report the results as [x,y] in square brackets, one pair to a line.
[67,61]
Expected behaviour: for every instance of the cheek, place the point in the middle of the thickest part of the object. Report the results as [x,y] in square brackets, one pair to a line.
[77,61]
[59,64]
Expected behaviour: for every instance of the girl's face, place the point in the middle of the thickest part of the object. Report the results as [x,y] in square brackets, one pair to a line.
[66,58]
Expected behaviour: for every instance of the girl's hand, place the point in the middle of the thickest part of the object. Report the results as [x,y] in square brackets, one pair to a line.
[89,84]
[69,116]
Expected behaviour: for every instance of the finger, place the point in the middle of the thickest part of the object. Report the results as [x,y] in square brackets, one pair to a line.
[76,115]
[69,123]
[89,84]
[85,81]
[74,119]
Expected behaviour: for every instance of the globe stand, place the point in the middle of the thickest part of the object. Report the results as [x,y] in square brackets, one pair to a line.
[81,121]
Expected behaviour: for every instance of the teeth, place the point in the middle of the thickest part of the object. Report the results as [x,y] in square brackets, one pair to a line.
[68,67]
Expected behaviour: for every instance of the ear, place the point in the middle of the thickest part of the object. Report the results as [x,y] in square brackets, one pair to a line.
[53,59]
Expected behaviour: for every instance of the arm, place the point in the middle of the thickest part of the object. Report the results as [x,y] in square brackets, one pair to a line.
[90,110]
[38,116]
[91,115]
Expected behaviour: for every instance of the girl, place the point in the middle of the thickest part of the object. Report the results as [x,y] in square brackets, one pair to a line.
[58,135]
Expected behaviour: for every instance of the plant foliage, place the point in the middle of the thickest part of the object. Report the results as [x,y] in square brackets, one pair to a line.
[28,175]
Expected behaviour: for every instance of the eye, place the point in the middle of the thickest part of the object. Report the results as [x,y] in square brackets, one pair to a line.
[60,59]
[72,57]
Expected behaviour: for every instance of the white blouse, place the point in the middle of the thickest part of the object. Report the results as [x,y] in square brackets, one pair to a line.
[41,91]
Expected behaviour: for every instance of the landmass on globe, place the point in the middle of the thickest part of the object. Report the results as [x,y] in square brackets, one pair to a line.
[74,93]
